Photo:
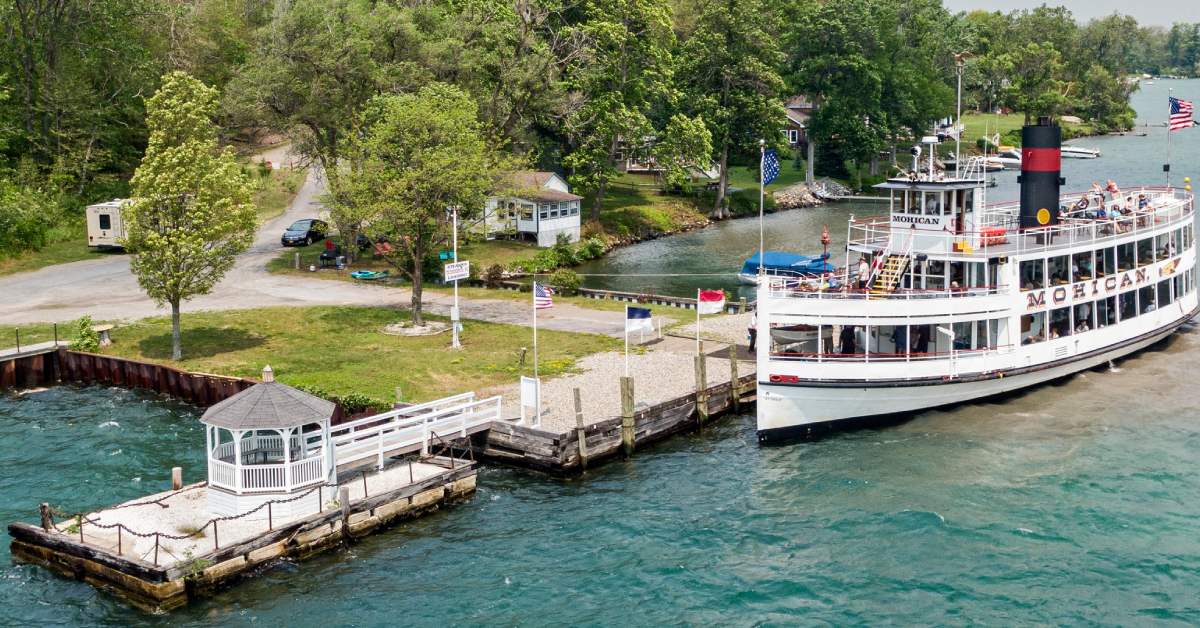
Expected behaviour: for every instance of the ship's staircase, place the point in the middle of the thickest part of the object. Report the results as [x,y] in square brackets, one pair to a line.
[889,275]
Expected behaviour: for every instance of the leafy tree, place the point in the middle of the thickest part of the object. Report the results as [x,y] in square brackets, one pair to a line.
[729,71]
[625,70]
[685,143]
[420,154]
[191,214]
[26,216]
[1035,88]
[1106,100]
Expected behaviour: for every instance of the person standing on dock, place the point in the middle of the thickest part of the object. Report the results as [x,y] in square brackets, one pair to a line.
[752,329]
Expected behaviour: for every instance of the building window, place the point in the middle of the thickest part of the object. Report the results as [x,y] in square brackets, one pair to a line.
[793,136]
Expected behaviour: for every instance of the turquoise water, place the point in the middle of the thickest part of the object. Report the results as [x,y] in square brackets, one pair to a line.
[684,263]
[1072,503]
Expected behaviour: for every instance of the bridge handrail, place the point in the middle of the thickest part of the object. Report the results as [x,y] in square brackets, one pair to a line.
[374,435]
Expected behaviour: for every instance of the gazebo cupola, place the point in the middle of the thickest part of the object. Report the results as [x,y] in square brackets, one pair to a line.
[268,442]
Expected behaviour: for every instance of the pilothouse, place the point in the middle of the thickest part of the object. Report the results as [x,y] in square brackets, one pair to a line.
[946,299]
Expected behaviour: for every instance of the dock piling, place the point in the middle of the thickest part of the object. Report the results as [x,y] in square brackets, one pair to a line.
[627,416]
[734,393]
[580,431]
[344,503]
[701,391]
[176,478]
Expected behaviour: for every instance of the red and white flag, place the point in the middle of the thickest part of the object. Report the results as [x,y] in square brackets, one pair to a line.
[710,302]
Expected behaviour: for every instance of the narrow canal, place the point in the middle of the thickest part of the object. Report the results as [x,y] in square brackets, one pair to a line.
[709,258]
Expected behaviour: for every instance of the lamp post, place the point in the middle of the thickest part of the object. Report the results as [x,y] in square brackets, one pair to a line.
[454,324]
[960,62]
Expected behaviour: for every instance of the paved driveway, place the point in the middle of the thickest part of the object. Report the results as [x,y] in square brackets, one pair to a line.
[105,289]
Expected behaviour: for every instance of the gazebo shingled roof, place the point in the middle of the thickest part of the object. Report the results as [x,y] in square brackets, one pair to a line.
[269,405]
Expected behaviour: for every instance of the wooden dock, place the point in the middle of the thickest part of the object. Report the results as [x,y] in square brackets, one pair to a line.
[121,549]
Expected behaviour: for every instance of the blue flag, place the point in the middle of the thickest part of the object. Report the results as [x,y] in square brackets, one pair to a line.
[638,318]
[770,166]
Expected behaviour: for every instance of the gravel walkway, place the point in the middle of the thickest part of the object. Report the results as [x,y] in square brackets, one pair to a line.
[664,371]
[728,329]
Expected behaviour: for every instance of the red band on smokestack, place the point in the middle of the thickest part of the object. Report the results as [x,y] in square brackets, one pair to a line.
[1041,159]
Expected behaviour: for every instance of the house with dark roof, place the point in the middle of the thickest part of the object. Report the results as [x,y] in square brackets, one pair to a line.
[535,205]
[799,110]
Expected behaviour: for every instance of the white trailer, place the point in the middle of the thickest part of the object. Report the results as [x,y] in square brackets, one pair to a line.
[105,228]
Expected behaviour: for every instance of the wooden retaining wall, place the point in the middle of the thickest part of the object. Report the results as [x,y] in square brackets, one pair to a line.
[548,451]
[158,588]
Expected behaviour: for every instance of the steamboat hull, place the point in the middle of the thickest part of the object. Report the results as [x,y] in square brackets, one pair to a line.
[788,412]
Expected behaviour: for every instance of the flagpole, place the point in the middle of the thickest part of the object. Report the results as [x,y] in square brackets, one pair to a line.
[1167,166]
[697,321]
[762,176]
[535,355]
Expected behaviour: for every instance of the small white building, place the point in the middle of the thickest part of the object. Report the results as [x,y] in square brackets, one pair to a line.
[105,227]
[269,442]
[539,206]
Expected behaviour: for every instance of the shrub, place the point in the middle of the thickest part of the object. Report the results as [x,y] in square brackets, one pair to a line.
[493,275]
[350,402]
[566,281]
[85,338]
[564,252]
[590,248]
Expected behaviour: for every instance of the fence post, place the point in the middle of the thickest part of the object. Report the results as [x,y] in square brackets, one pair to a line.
[79,522]
[701,391]
[734,396]
[270,522]
[297,258]
[155,549]
[47,517]
[176,478]
[18,333]
[379,454]
[742,305]
[627,435]
[580,432]
[119,546]
[216,538]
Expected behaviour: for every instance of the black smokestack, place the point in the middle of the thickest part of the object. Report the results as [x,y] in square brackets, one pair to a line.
[1041,161]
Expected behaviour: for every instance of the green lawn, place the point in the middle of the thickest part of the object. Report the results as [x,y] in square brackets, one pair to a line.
[32,334]
[633,206]
[977,123]
[68,245]
[342,350]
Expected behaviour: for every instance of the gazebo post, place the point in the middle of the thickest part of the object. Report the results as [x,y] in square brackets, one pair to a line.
[208,449]
[328,453]
[286,434]
[237,459]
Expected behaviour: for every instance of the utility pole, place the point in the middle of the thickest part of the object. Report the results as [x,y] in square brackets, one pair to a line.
[454,318]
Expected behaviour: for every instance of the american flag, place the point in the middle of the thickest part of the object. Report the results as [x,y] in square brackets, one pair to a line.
[542,297]
[770,166]
[1181,114]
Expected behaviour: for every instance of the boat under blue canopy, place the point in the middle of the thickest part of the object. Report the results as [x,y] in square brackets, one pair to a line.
[783,262]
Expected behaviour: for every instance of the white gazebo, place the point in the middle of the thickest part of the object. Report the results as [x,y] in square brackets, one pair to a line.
[268,442]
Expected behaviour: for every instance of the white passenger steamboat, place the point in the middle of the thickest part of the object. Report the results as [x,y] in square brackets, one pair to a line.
[947,300]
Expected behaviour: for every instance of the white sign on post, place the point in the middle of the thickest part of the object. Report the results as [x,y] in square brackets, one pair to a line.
[457,270]
[531,398]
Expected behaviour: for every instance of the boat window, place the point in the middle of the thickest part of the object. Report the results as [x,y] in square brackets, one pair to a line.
[1060,322]
[1164,293]
[977,275]
[935,275]
[1085,317]
[1125,257]
[958,275]
[912,203]
[963,336]
[1106,312]
[1128,305]
[1081,266]
[1177,286]
[1033,328]
[888,341]
[1146,299]
[1033,274]
[797,339]
[105,221]
[933,204]
[1106,262]
[1165,245]
[1056,268]
[920,337]
[1145,251]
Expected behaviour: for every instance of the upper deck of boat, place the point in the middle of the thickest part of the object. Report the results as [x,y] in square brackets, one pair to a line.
[1133,214]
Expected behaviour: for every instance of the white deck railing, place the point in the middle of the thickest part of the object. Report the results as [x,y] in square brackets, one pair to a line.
[411,427]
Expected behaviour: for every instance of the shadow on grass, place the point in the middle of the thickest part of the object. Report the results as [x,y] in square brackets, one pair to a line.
[201,342]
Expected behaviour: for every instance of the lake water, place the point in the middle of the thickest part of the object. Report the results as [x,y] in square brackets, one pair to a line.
[709,258]
[1072,503]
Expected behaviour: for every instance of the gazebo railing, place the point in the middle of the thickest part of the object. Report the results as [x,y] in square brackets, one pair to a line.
[266,478]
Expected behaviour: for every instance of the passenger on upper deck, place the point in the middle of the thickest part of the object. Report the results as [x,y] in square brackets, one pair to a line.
[864,272]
